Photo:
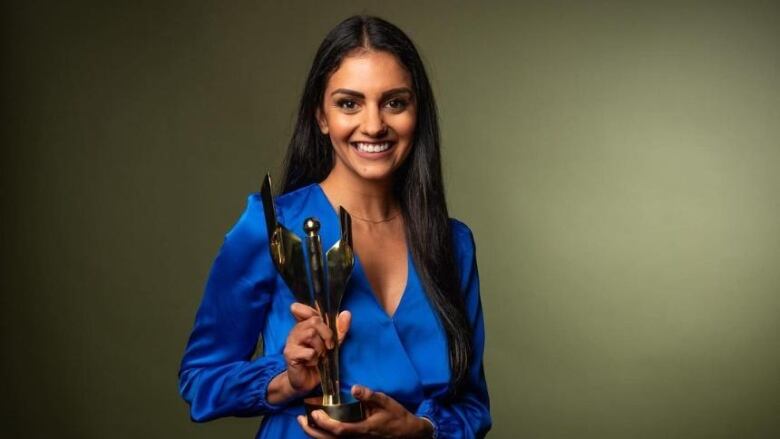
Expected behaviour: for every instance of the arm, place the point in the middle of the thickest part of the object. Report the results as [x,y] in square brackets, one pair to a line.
[217,376]
[469,415]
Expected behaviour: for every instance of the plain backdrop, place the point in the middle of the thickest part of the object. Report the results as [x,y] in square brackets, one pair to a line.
[618,162]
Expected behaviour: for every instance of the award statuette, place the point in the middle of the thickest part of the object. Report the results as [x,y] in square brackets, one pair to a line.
[324,293]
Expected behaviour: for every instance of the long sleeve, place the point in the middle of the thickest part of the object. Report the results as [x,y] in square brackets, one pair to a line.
[469,415]
[217,376]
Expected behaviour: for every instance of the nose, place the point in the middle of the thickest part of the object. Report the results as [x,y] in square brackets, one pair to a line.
[373,125]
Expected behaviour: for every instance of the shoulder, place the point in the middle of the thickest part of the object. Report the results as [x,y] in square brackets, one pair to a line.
[462,239]
[250,229]
[291,204]
[466,259]
[459,229]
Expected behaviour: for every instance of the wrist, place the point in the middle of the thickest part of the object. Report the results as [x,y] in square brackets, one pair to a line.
[280,390]
[423,428]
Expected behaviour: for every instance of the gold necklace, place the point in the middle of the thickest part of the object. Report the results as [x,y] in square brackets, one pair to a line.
[376,221]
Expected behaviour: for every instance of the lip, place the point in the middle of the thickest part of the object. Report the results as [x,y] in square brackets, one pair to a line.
[374,155]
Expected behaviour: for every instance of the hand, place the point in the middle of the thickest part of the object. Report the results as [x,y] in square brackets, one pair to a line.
[306,343]
[385,418]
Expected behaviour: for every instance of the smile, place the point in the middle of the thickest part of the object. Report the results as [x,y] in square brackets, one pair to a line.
[372,147]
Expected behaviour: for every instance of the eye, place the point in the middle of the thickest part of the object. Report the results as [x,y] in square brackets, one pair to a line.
[347,104]
[397,104]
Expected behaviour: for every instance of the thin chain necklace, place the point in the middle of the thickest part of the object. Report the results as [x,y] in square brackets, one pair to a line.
[376,221]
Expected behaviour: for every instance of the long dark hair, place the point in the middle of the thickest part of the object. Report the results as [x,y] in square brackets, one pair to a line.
[418,184]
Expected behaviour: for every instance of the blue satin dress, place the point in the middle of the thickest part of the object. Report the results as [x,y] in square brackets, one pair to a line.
[404,355]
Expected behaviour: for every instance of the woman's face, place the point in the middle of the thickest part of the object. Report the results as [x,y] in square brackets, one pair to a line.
[369,112]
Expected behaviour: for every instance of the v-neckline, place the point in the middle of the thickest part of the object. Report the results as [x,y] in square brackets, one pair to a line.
[358,265]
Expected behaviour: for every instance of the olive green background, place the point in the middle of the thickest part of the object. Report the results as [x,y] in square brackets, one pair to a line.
[618,162]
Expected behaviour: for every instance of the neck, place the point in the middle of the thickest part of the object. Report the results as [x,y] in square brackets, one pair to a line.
[366,199]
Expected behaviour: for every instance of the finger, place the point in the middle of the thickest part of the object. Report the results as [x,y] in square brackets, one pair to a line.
[313,328]
[324,332]
[342,324]
[313,432]
[302,312]
[330,425]
[363,393]
[307,334]
[303,357]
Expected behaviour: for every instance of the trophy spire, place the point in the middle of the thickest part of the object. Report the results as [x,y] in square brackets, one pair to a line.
[286,248]
[330,273]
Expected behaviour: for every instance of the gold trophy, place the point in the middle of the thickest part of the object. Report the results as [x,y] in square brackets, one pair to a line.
[323,292]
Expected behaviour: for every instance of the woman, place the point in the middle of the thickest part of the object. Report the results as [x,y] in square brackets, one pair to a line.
[412,332]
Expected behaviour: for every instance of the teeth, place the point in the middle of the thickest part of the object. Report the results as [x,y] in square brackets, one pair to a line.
[373,147]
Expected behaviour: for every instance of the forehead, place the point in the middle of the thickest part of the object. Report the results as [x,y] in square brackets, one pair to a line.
[370,72]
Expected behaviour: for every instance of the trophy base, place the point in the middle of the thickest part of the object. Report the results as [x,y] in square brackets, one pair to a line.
[349,411]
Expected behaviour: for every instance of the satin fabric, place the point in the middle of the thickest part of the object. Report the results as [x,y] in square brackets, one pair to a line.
[403,355]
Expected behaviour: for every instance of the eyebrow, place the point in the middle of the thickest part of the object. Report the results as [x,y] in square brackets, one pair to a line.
[358,94]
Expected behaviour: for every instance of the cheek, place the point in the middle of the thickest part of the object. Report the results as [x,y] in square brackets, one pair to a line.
[406,125]
[341,126]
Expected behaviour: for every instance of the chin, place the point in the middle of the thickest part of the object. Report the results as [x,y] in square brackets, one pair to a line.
[375,176]
[375,172]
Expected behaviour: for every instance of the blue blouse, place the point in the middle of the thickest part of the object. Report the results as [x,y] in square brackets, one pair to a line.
[404,355]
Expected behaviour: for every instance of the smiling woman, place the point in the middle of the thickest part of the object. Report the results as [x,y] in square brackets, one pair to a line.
[411,336]
[369,114]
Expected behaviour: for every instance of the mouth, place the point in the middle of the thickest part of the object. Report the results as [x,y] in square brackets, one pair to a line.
[372,147]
